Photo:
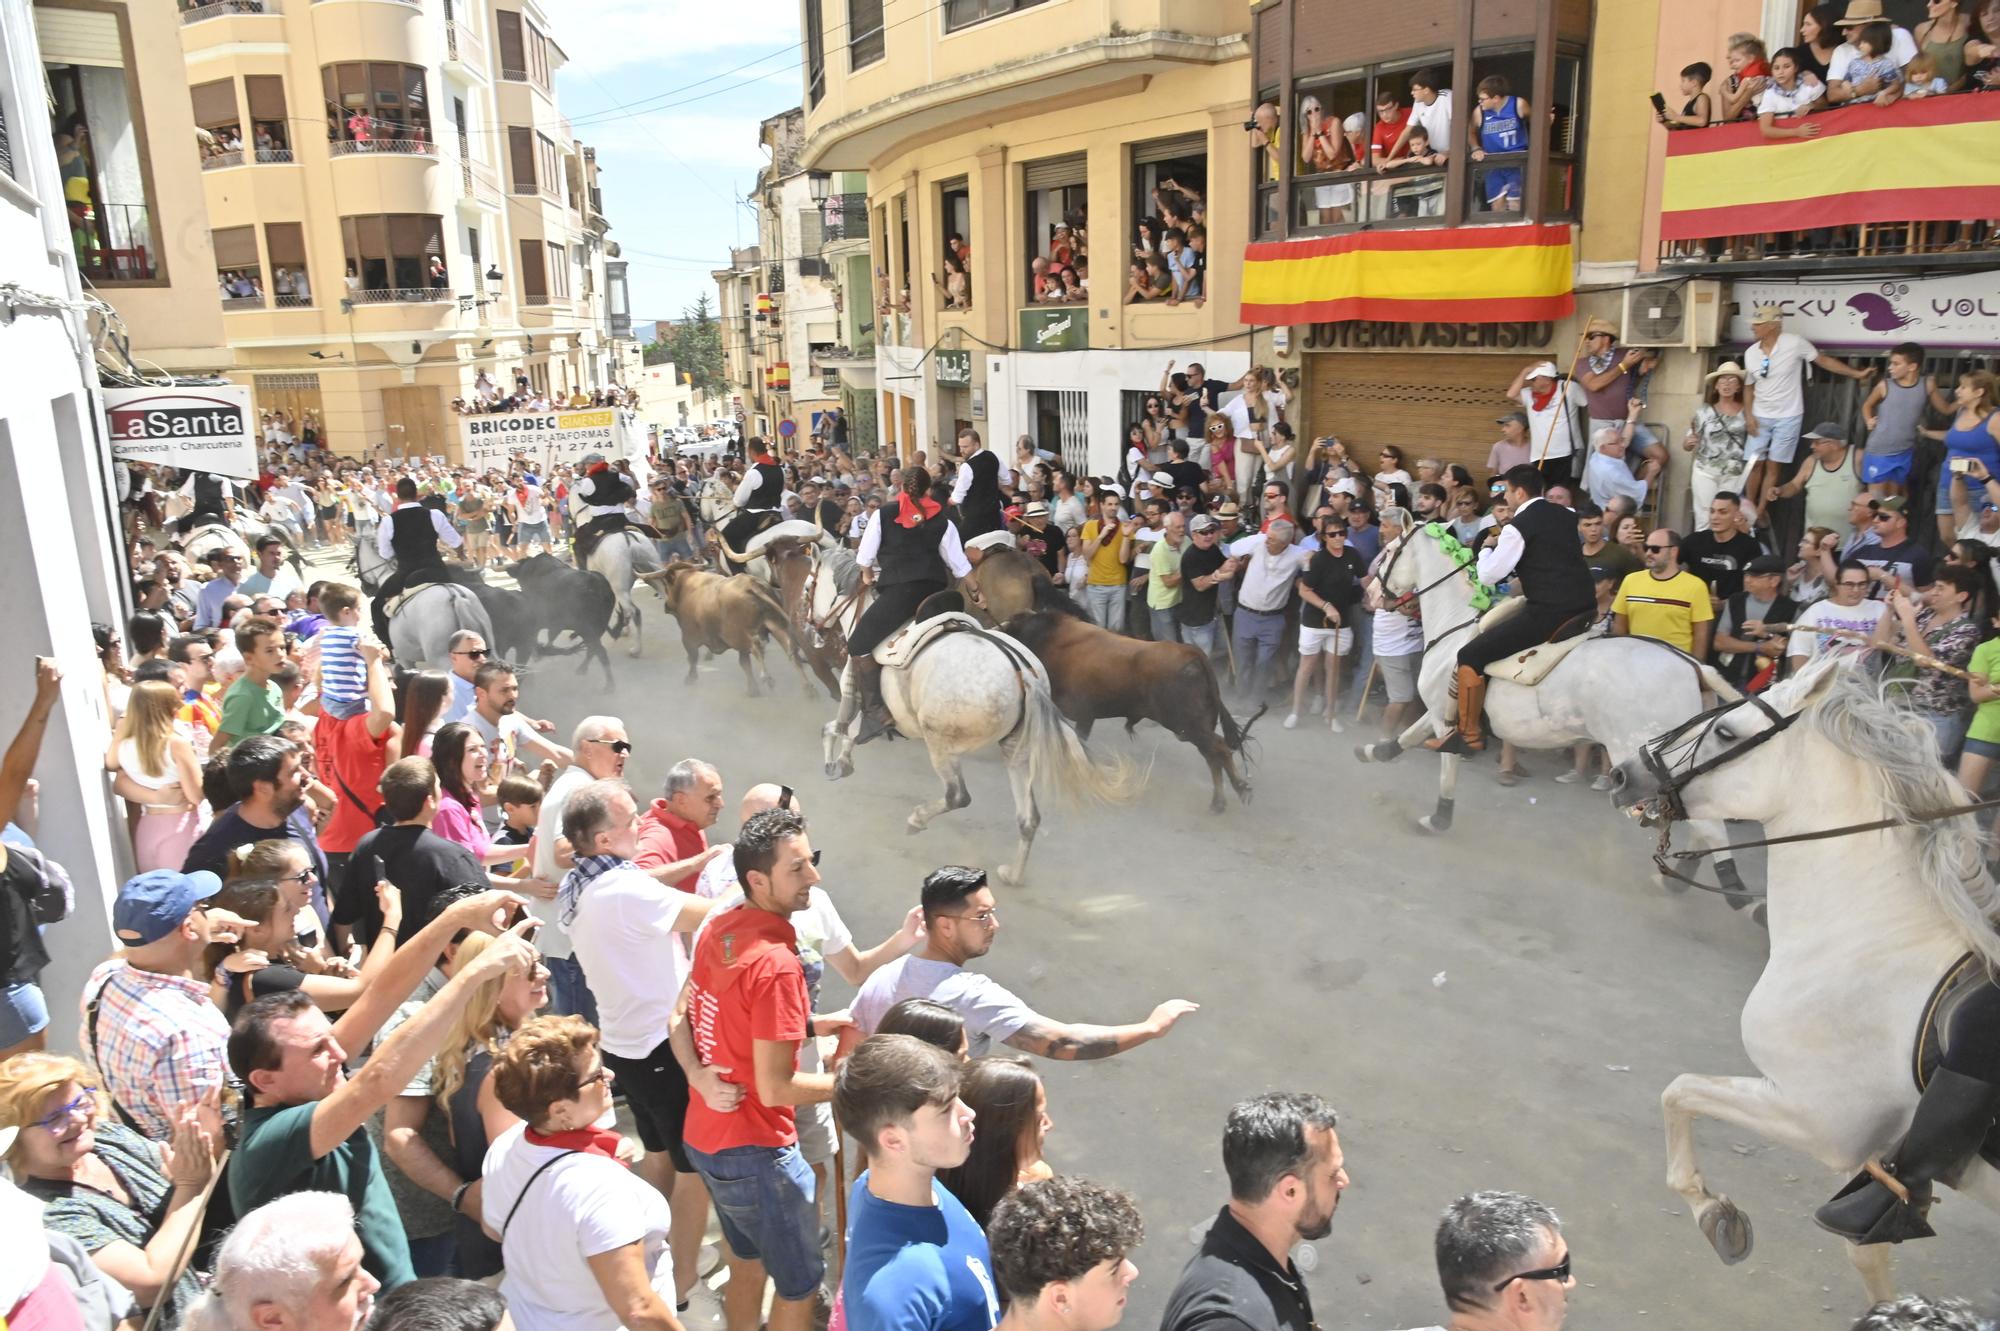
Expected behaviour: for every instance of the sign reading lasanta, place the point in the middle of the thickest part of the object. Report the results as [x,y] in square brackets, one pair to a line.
[191,427]
[1935,311]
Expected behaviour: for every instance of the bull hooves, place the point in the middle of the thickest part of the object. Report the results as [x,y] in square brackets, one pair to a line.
[1217,805]
[1727,1231]
[835,771]
[634,652]
[1436,824]
[914,825]
[1008,874]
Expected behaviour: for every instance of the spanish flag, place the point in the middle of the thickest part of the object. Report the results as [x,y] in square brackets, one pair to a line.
[1932,159]
[1472,274]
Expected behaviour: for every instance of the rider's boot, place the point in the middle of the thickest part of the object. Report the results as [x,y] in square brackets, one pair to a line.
[1952,1119]
[1467,738]
[875,718]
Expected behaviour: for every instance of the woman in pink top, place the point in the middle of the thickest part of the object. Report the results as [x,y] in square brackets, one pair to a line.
[460,756]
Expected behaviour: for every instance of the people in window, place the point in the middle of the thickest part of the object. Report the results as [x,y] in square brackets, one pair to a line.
[1789,96]
[1500,125]
[1698,108]
[1749,76]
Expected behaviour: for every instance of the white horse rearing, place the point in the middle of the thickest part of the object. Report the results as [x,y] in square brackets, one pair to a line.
[1864,924]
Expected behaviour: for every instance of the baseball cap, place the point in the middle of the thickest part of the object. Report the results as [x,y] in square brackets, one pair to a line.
[1765,564]
[1828,430]
[152,905]
[1346,485]
[1544,370]
[1520,416]
[1893,504]
[1203,522]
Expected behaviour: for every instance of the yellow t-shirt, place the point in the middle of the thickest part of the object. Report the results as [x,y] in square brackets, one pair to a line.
[1107,566]
[1664,608]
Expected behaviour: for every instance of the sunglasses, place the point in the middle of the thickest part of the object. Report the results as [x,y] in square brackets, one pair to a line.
[1657,549]
[478,655]
[1555,1273]
[618,746]
[1883,517]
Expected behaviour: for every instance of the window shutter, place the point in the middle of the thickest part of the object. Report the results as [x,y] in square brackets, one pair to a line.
[513,55]
[1169,150]
[1056,172]
[266,95]
[236,247]
[521,156]
[214,103]
[286,243]
[534,279]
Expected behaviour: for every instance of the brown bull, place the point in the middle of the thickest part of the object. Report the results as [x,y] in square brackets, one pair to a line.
[1009,579]
[793,563]
[1095,673]
[725,614]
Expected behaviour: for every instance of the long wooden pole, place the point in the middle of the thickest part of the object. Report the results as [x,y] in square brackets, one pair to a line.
[1856,635]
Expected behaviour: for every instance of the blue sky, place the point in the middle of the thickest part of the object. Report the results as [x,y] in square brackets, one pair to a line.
[676,166]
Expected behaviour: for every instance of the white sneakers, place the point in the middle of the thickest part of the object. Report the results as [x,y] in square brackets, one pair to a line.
[1318,709]
[1292,721]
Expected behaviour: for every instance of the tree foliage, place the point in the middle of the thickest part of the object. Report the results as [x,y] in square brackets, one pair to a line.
[694,344]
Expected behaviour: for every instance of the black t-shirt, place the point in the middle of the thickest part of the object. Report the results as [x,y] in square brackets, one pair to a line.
[273,979]
[417,860]
[231,829]
[1197,606]
[1719,563]
[1047,546]
[1336,579]
[1187,475]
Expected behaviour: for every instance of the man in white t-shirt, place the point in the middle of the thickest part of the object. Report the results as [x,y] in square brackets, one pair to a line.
[1552,403]
[1430,108]
[512,737]
[961,920]
[601,747]
[1848,608]
[622,923]
[1902,50]
[1776,364]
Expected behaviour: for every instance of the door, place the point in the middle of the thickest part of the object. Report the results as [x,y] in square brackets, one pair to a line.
[906,411]
[413,418]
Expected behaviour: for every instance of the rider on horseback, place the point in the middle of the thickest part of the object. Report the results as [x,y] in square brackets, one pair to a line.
[214,499]
[410,536]
[905,552]
[761,494]
[605,492]
[1542,546]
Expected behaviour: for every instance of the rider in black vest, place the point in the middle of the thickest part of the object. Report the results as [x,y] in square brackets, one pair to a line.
[759,500]
[212,501]
[605,493]
[909,551]
[410,536]
[977,493]
[1541,547]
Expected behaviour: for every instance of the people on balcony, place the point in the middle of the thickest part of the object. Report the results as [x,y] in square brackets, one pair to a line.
[1921,77]
[1791,96]
[1430,108]
[954,284]
[1847,81]
[1500,125]
[1982,49]
[1942,37]
[1698,109]
[1874,75]
[1749,77]
[1819,38]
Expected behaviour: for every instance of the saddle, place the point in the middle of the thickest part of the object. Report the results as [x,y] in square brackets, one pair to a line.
[902,646]
[1531,667]
[1965,979]
[400,599]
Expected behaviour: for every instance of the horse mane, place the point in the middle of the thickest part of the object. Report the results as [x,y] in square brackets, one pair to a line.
[839,562]
[1899,750]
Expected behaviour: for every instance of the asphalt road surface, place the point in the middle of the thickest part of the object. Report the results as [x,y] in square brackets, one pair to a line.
[1499,1008]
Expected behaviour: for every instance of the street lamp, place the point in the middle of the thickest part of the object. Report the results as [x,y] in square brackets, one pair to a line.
[820,183]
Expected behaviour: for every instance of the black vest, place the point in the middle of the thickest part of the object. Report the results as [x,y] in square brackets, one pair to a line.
[608,489]
[1552,571]
[414,539]
[209,492]
[983,495]
[910,554]
[1746,664]
[770,490]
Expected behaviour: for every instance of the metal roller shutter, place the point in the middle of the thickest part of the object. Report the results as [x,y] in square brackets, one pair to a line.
[1425,404]
[1169,150]
[1056,172]
[79,37]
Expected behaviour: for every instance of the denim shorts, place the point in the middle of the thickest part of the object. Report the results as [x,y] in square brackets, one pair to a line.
[22,1014]
[1778,440]
[765,1204]
[1985,748]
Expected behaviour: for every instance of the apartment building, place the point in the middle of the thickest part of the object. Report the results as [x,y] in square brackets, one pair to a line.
[744,308]
[981,126]
[354,207]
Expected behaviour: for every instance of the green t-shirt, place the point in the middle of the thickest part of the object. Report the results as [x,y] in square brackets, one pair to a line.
[1986,717]
[252,709]
[1166,559]
[274,1159]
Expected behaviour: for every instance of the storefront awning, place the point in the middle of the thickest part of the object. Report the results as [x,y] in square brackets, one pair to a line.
[1474,274]
[1932,159]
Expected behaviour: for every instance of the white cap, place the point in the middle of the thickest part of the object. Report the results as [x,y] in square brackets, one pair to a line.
[1545,370]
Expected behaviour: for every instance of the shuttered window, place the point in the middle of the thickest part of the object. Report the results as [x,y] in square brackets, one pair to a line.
[1056,172]
[864,32]
[286,242]
[79,37]
[513,52]
[521,158]
[1446,400]
[1168,150]
[266,95]
[215,104]
[235,246]
[392,251]
[534,273]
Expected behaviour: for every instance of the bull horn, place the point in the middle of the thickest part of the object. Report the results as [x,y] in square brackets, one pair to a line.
[819,528]
[659,575]
[722,544]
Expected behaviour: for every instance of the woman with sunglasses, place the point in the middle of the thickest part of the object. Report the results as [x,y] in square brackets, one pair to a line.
[132,1203]
[289,865]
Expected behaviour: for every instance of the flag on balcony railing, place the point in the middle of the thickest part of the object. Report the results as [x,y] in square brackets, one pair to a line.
[1474,274]
[1932,159]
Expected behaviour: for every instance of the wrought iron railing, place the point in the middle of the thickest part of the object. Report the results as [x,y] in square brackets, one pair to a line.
[396,147]
[201,13]
[401,295]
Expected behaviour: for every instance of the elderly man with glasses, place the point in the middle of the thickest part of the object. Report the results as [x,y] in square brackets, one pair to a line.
[599,750]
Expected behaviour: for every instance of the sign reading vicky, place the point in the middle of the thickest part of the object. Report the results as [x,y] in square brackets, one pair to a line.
[1936,311]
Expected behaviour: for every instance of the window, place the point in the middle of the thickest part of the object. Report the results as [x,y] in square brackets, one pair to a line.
[548,162]
[864,32]
[390,257]
[534,273]
[815,53]
[219,123]
[285,242]
[538,55]
[521,158]
[94,119]
[964,13]
[1169,190]
[270,127]
[238,271]
[377,107]
[955,216]
[1264,166]
[1058,215]
[513,46]
[558,271]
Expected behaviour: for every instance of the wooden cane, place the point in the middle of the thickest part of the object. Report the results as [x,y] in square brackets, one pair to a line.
[187,1244]
[839,1204]
[1856,635]
[1549,435]
[1361,704]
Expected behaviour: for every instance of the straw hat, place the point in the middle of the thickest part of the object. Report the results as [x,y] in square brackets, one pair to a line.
[1727,367]
[1859,12]
[1599,324]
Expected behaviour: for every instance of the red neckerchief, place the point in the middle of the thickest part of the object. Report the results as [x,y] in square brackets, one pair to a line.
[1542,400]
[910,514]
[590,1141]
[596,467]
[764,458]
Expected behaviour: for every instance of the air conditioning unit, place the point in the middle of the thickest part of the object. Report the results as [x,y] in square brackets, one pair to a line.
[1673,314]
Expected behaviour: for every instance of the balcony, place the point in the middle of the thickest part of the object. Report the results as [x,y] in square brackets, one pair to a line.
[479,187]
[844,219]
[117,246]
[201,13]
[403,147]
[402,296]
[219,160]
[464,50]
[1730,197]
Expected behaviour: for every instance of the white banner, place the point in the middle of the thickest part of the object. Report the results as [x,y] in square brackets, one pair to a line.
[550,438]
[207,427]
[1938,312]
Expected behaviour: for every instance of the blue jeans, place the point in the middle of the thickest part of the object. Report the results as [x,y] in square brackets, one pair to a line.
[434,1256]
[1106,605]
[765,1203]
[1259,635]
[680,547]
[1199,635]
[569,995]
[22,1014]
[1165,627]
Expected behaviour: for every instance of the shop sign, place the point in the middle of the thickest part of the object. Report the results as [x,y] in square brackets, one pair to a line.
[191,428]
[549,437]
[954,369]
[1368,334]
[1055,330]
[1955,311]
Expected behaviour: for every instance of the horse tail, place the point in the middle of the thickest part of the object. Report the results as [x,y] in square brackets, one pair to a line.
[1054,750]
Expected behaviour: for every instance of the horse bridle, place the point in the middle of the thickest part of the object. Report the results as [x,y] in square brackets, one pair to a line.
[1457,570]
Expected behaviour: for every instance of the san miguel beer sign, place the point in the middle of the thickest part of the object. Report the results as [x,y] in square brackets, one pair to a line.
[207,427]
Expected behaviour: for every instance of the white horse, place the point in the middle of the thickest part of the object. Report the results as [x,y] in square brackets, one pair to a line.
[622,558]
[1863,926]
[718,499]
[1618,692]
[421,626]
[966,690]
[206,539]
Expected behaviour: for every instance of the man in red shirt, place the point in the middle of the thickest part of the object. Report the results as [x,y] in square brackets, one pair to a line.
[352,754]
[1390,117]
[673,833]
[737,1031]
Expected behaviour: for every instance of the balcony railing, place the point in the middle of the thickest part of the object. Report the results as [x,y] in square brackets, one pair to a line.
[479,184]
[291,300]
[464,45]
[216,161]
[844,217]
[117,244]
[201,13]
[402,296]
[395,147]
[513,75]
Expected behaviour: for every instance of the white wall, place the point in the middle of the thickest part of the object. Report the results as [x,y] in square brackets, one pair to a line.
[1105,375]
[57,545]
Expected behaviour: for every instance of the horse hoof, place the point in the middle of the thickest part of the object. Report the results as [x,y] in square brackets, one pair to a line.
[1727,1231]
[914,825]
[633,653]
[1761,916]
[1217,805]
[835,771]
[1008,875]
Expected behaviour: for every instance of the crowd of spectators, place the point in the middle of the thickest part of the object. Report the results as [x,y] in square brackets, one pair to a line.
[491,397]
